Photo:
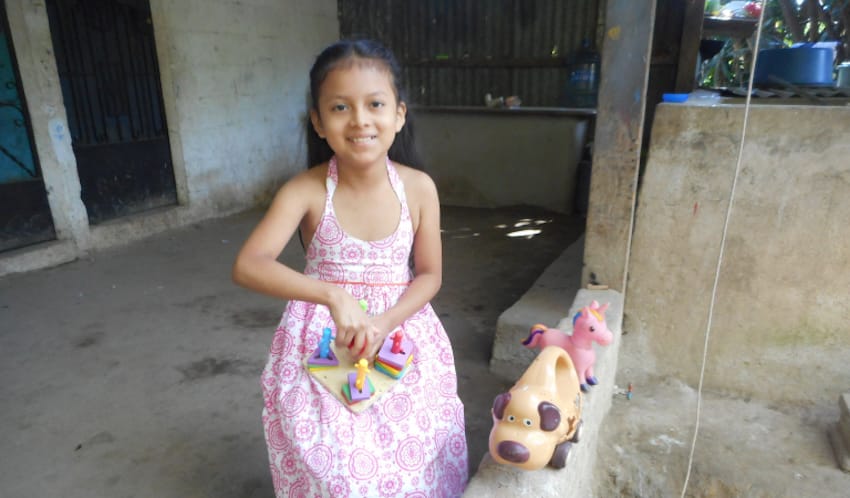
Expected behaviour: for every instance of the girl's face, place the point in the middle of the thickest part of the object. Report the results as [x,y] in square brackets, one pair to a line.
[358,113]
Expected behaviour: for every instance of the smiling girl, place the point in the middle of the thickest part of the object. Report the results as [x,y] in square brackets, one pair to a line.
[363,217]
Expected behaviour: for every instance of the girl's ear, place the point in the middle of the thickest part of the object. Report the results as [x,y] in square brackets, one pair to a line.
[317,123]
[401,116]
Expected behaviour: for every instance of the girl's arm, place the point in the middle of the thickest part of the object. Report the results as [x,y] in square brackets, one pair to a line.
[427,258]
[258,268]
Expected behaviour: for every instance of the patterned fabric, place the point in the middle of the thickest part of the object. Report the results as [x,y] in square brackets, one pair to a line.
[411,442]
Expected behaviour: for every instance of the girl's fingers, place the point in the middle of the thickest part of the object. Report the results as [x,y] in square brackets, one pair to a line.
[373,344]
[361,343]
[371,352]
[358,344]
[343,338]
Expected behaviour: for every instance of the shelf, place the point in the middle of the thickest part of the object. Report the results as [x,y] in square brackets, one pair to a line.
[734,28]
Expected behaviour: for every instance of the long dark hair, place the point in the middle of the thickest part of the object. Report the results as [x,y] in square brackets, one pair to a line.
[403,149]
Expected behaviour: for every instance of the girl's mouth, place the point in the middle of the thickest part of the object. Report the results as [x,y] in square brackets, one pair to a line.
[362,140]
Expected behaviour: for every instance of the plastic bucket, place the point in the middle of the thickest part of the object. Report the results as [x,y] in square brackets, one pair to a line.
[802,66]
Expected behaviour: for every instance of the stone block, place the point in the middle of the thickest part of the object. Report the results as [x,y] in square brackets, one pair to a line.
[839,445]
[839,434]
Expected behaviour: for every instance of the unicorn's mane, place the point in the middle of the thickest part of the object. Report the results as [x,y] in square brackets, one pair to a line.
[591,310]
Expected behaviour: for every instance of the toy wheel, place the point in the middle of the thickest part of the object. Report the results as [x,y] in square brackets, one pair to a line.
[559,456]
[575,437]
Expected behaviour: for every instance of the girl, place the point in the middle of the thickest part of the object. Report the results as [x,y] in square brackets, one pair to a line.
[362,215]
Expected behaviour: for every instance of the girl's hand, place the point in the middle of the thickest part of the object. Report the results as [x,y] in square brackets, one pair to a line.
[368,341]
[354,329]
[381,330]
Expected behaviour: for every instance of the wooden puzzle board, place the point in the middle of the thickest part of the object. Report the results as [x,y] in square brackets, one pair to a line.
[334,378]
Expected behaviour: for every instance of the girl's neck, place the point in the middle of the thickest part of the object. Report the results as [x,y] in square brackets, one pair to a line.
[362,176]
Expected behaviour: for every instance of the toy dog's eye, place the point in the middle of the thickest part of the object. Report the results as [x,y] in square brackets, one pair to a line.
[592,329]
[511,418]
[527,422]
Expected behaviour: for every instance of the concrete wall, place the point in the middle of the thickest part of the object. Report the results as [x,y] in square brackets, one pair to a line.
[234,77]
[780,329]
[493,158]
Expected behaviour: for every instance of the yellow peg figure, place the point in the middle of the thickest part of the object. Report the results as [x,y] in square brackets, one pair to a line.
[362,369]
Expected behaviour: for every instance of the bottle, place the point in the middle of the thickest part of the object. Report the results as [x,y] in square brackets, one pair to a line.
[583,78]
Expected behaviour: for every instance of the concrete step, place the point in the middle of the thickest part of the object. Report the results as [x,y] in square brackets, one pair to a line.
[543,303]
[546,302]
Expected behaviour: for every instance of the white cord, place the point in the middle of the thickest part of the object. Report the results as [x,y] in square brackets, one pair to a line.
[722,248]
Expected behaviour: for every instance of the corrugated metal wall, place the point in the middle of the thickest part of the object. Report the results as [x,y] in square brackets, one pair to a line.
[455,51]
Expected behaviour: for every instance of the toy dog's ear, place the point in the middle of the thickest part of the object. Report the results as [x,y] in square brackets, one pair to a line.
[550,416]
[499,405]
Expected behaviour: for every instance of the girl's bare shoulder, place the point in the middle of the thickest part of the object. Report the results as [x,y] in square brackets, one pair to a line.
[307,182]
[416,182]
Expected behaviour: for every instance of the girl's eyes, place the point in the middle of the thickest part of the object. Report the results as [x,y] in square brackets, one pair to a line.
[376,104]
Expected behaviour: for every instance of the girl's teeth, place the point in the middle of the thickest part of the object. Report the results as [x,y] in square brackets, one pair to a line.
[361,140]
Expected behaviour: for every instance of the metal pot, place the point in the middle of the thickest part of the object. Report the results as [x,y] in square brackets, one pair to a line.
[843,75]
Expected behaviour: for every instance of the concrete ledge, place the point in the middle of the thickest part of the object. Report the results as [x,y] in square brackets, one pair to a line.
[576,480]
[138,226]
[35,257]
[107,235]
[546,302]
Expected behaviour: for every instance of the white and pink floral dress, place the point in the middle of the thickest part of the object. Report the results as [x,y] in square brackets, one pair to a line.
[411,442]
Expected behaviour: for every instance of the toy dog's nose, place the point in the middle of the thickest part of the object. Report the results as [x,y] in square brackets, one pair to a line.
[512,451]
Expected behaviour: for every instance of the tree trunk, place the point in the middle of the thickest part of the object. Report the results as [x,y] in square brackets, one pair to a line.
[791,20]
[812,7]
[845,41]
[829,27]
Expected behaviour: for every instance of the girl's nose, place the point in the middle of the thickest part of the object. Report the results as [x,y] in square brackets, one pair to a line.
[358,116]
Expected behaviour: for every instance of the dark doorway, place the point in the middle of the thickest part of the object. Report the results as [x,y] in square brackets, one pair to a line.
[24,213]
[106,57]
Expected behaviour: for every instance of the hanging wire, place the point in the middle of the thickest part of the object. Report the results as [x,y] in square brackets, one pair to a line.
[723,247]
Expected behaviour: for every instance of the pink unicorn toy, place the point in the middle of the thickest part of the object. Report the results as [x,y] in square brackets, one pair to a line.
[588,327]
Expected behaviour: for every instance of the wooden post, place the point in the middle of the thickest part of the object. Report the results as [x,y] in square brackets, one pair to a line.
[617,144]
[689,47]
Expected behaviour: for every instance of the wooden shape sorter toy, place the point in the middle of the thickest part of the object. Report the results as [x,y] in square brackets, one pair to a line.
[354,383]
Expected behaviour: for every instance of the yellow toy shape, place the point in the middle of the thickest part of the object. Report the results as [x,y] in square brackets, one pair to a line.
[362,369]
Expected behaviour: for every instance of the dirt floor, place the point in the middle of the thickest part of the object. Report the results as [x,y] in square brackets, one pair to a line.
[135,372]
[747,447]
